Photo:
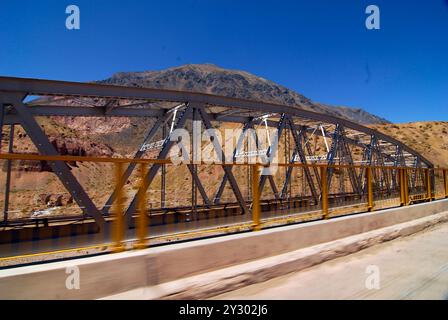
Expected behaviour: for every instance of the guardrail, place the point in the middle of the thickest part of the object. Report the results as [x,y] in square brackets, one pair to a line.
[344,189]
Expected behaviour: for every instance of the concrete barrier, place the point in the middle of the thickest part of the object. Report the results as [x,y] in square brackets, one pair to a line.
[111,274]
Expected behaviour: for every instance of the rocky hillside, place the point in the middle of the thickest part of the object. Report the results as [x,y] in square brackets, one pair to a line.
[122,135]
[208,78]
[428,138]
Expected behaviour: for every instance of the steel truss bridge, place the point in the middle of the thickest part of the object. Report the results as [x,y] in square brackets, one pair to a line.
[306,140]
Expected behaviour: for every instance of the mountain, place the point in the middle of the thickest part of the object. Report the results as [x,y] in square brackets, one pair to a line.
[208,78]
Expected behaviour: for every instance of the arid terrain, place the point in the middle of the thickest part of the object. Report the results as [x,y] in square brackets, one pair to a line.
[428,138]
[35,188]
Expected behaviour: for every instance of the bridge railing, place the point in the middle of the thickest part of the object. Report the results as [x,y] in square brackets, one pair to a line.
[145,207]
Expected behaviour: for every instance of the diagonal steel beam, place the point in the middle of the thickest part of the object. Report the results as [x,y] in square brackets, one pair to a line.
[227,169]
[302,136]
[53,110]
[149,177]
[287,177]
[193,168]
[308,148]
[198,183]
[331,156]
[60,168]
[110,105]
[298,147]
[415,175]
[384,177]
[48,87]
[367,158]
[269,154]
[267,159]
[151,133]
[218,195]
[289,171]
[397,161]
[348,159]
[375,161]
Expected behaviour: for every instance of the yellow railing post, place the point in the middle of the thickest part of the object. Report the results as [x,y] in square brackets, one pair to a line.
[142,223]
[369,189]
[428,185]
[406,186]
[402,186]
[324,187]
[256,197]
[445,179]
[118,208]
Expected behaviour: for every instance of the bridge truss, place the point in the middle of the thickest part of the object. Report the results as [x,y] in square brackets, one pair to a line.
[303,136]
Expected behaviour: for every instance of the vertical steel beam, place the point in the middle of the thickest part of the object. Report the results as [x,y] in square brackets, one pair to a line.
[196,182]
[256,210]
[324,193]
[8,174]
[60,168]
[369,189]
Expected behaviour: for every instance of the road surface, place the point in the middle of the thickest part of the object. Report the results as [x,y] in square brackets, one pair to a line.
[414,267]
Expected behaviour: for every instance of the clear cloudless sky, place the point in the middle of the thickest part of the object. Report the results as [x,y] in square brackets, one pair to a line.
[319,48]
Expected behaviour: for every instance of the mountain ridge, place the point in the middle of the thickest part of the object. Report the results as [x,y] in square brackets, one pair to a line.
[211,79]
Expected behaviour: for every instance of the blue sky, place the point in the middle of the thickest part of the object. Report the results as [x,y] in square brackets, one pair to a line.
[319,48]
